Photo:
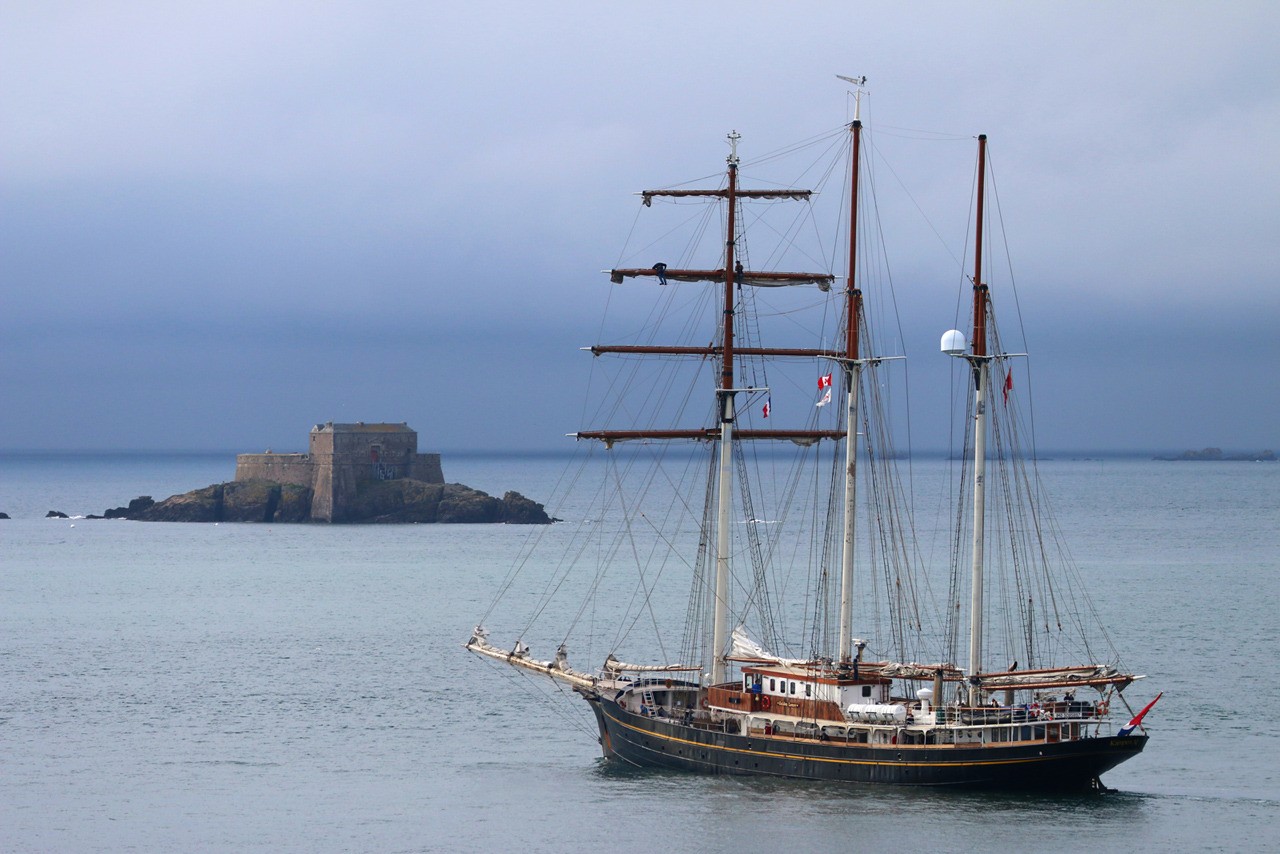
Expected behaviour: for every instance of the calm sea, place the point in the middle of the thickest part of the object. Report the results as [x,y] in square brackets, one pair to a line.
[171,687]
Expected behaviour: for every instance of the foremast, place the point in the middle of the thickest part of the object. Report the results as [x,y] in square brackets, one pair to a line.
[724,399]
[731,276]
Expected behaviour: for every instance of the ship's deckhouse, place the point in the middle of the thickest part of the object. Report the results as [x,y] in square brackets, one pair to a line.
[843,687]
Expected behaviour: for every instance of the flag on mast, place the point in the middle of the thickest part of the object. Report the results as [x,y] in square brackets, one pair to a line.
[826,398]
[1008,385]
[824,382]
[766,409]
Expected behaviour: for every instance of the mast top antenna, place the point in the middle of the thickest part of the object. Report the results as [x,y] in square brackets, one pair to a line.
[859,82]
[733,138]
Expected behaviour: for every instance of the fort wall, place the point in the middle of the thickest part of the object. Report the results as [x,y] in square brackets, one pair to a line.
[281,468]
[426,468]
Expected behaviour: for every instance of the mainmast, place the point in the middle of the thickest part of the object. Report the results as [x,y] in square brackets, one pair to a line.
[981,363]
[852,378]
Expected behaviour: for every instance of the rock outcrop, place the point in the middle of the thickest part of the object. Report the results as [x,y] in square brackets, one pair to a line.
[414,501]
[135,508]
[518,510]
[392,501]
[237,501]
[1214,455]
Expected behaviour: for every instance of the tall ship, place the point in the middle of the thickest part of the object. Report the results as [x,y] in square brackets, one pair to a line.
[808,638]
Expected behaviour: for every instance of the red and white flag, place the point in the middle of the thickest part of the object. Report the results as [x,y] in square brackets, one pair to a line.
[826,398]
[1008,386]
[1137,719]
[824,382]
[766,409]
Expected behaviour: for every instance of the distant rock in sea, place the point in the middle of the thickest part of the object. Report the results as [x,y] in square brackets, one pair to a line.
[136,507]
[1216,455]
[56,514]
[4,515]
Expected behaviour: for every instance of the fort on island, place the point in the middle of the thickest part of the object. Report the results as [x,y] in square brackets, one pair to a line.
[358,472]
[340,459]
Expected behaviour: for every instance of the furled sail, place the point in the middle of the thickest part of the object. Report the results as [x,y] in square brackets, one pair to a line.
[746,649]
[794,195]
[896,670]
[1063,677]
[758,278]
[615,666]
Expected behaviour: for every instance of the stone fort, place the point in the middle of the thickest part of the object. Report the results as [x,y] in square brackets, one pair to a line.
[340,458]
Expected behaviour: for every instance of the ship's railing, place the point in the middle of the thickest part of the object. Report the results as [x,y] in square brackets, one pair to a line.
[1066,719]
[1062,710]
[1041,730]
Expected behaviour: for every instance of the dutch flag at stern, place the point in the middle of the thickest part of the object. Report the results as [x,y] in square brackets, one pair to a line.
[1137,719]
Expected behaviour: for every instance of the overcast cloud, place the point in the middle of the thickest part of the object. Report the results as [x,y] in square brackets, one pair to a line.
[225,222]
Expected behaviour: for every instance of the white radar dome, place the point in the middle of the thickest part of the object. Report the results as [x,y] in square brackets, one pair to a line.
[953,343]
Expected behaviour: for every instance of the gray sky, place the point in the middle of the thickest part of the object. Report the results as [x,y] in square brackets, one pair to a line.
[225,222]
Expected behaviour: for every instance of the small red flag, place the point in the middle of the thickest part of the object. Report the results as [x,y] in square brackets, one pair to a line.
[1008,386]
[766,409]
[824,382]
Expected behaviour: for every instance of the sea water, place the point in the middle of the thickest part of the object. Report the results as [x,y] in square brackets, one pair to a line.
[171,687]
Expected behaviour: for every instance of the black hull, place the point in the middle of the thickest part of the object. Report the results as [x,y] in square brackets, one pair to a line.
[659,743]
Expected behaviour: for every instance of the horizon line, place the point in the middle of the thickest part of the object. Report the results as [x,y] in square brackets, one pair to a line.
[571,450]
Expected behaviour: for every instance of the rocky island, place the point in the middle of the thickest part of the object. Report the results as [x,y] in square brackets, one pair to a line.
[1216,455]
[351,473]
